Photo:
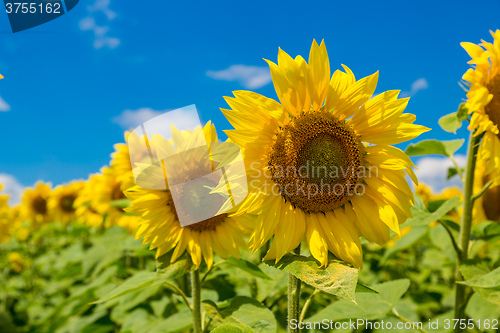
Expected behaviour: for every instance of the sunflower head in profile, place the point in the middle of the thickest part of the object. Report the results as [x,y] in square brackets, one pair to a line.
[321,160]
[120,163]
[160,224]
[34,206]
[486,207]
[483,100]
[86,212]
[61,202]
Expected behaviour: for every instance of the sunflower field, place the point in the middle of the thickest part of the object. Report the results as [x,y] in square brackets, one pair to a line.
[383,254]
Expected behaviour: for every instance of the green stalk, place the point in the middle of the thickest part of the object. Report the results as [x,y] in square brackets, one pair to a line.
[293,298]
[465,229]
[196,308]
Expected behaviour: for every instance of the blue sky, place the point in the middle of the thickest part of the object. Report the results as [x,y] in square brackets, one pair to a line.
[68,81]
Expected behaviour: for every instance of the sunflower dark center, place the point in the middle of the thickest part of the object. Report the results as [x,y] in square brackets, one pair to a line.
[40,205]
[66,203]
[195,200]
[493,107]
[315,162]
[208,224]
[117,192]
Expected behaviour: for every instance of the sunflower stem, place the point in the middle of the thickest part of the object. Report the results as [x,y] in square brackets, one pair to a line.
[465,229]
[307,304]
[293,299]
[196,308]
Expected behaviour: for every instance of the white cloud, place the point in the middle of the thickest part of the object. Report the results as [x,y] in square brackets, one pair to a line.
[109,42]
[101,38]
[132,118]
[12,187]
[250,77]
[4,106]
[103,6]
[185,118]
[416,86]
[432,171]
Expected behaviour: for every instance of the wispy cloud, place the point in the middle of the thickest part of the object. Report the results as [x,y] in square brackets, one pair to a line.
[99,10]
[433,171]
[416,86]
[185,118]
[4,106]
[250,77]
[102,6]
[11,187]
[132,118]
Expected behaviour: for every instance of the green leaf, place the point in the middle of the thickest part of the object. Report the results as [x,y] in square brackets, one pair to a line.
[363,288]
[369,306]
[489,231]
[232,328]
[424,217]
[462,112]
[178,322]
[137,321]
[408,240]
[478,309]
[121,203]
[337,279]
[453,171]
[138,281]
[427,147]
[251,313]
[489,280]
[472,271]
[167,271]
[212,310]
[450,123]
[247,267]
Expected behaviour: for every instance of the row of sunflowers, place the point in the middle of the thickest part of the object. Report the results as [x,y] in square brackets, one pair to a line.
[277,261]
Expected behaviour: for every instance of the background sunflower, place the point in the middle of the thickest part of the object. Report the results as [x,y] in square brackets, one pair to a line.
[159,223]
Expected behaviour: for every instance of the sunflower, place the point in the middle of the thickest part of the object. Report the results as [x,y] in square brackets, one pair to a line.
[34,206]
[16,262]
[96,204]
[160,224]
[321,161]
[486,206]
[61,202]
[6,226]
[120,163]
[85,211]
[483,100]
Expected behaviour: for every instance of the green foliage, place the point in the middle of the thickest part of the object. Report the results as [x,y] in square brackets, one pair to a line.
[232,328]
[405,242]
[486,284]
[453,121]
[247,267]
[136,282]
[82,280]
[367,306]
[422,216]
[337,279]
[430,147]
[120,203]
